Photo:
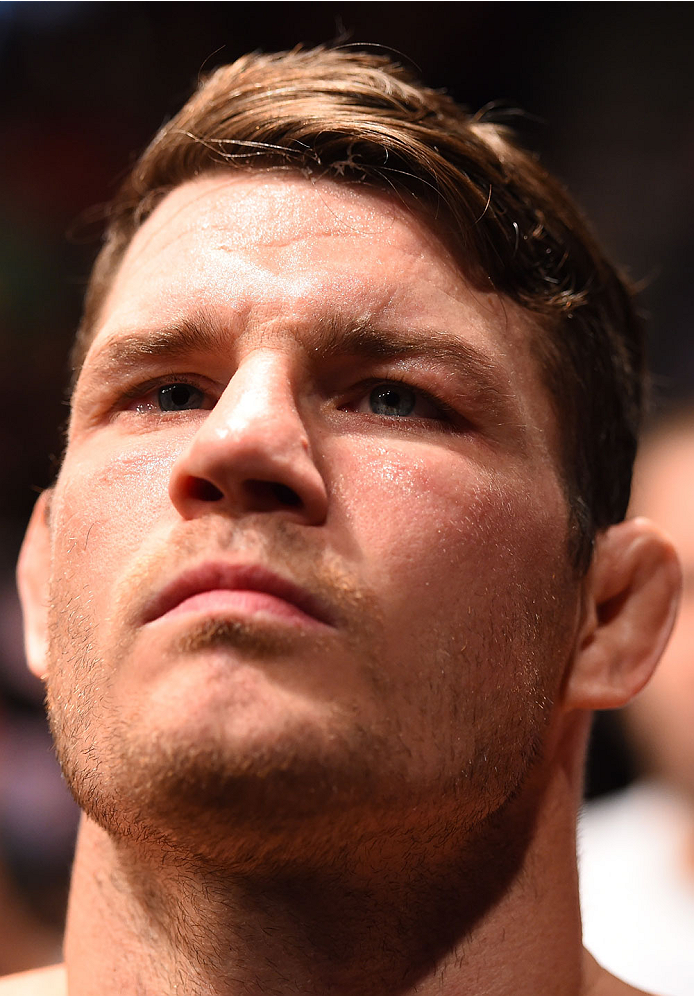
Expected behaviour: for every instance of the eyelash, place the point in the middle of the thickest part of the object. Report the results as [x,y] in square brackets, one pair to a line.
[363,388]
[142,390]
[448,414]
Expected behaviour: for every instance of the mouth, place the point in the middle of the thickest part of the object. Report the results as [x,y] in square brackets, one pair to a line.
[222,590]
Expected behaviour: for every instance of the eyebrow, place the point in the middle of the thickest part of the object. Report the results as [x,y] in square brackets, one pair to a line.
[371,342]
[332,336]
[179,339]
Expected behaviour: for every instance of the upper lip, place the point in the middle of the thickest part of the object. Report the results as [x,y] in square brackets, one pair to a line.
[212,576]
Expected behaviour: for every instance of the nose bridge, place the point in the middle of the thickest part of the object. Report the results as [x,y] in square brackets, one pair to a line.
[252,451]
[258,405]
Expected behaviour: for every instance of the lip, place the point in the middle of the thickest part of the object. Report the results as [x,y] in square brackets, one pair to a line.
[232,587]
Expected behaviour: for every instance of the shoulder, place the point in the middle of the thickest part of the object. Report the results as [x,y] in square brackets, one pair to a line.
[49,981]
[599,982]
[615,987]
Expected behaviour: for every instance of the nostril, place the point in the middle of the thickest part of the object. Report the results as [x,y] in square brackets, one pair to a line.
[285,495]
[267,496]
[204,490]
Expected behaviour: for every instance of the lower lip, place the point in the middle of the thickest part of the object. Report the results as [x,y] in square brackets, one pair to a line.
[242,604]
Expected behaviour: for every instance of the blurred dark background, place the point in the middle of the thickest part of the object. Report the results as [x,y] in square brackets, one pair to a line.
[607,91]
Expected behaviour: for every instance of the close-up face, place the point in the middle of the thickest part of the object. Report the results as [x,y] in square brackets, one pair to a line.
[662,718]
[309,533]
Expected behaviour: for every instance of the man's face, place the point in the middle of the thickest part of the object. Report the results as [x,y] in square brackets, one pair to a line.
[309,542]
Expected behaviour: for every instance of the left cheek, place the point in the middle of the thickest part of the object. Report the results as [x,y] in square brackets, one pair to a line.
[412,508]
[439,533]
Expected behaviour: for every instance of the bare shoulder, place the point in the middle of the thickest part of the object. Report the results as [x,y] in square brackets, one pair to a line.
[599,982]
[50,981]
[615,987]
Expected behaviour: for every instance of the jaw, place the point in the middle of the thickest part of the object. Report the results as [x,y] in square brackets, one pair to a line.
[422,910]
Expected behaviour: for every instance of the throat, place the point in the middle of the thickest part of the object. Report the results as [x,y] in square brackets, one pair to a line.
[386,917]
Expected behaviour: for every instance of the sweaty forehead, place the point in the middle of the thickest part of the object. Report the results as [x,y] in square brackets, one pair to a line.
[270,258]
[276,210]
[275,254]
[275,239]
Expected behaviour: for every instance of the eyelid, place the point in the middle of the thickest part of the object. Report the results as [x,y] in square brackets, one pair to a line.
[140,390]
[451,417]
[449,414]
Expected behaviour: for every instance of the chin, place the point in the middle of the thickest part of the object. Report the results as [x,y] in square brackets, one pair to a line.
[214,786]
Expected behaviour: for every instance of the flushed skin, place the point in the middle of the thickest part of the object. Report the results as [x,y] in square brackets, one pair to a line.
[350,761]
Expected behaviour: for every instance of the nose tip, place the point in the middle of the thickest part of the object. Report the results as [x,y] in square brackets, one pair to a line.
[251,454]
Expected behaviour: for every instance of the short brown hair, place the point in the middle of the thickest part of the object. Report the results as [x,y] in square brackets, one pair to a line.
[359,116]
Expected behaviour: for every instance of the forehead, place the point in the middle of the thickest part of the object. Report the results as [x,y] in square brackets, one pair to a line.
[275,254]
[299,232]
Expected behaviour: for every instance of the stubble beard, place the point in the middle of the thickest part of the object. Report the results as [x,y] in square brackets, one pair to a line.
[419,864]
[304,793]
[296,799]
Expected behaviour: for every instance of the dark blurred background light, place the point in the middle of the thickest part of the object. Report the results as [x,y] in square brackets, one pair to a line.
[607,91]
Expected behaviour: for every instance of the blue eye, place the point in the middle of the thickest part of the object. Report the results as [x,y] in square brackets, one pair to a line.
[179,397]
[392,399]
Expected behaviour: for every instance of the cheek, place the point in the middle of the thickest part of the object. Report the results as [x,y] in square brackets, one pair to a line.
[441,524]
[103,511]
[465,562]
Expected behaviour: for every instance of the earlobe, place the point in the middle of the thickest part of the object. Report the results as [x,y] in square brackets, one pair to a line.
[631,598]
[32,581]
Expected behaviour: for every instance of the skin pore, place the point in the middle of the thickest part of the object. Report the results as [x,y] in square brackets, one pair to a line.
[312,627]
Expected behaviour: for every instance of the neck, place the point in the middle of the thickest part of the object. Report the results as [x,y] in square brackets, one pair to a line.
[502,919]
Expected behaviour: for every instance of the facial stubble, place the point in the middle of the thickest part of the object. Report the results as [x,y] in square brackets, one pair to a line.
[248,804]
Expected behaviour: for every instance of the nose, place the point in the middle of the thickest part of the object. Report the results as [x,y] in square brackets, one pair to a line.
[252,452]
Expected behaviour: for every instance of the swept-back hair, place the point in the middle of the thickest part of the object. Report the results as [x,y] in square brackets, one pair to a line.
[360,117]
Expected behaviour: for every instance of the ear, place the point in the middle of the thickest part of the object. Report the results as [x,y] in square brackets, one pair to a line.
[631,597]
[32,580]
